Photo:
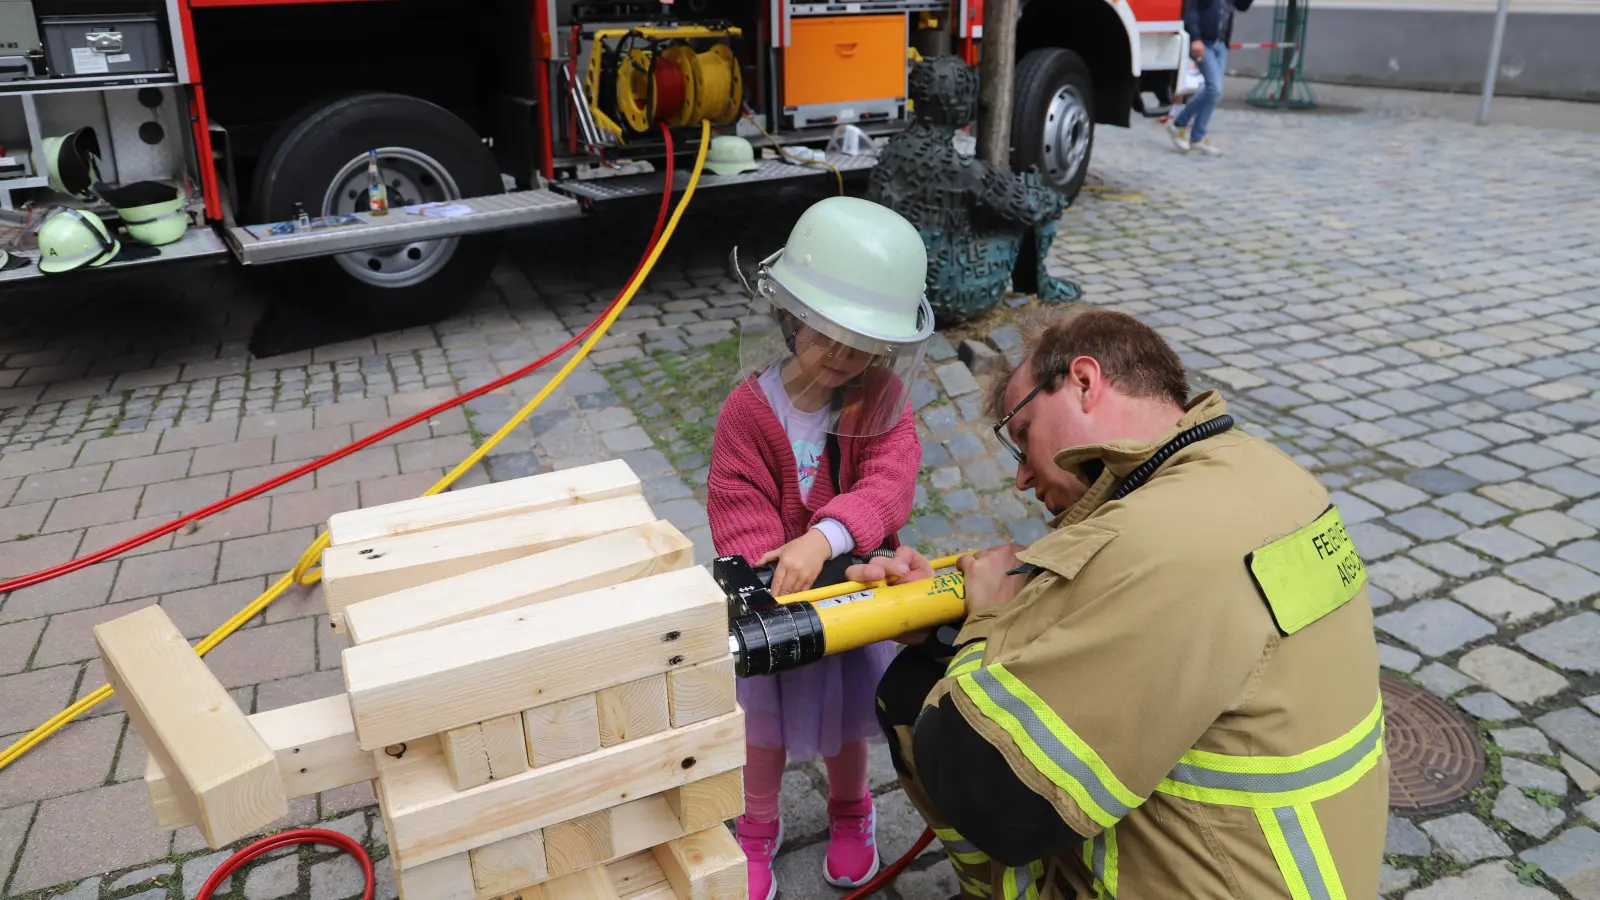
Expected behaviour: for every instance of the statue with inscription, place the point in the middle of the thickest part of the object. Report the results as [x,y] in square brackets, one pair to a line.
[983,228]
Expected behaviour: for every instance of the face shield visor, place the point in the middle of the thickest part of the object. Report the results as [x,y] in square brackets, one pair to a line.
[861,376]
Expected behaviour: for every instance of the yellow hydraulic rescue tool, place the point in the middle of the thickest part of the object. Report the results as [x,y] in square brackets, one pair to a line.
[654,74]
[770,634]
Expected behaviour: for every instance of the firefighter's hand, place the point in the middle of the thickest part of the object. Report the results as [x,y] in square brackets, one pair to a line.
[906,565]
[799,562]
[986,579]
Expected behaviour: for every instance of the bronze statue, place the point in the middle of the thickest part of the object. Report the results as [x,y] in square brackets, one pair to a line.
[975,219]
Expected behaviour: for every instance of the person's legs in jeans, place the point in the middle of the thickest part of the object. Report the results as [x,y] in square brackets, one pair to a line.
[1205,103]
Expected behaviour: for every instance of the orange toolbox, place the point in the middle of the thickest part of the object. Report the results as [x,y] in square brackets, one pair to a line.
[843,59]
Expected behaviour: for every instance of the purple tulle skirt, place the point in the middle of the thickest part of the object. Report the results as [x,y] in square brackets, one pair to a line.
[813,710]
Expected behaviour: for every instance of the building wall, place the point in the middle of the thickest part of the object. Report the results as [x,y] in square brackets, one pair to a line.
[1551,48]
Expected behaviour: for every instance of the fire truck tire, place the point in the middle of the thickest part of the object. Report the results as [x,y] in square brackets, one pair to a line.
[439,157]
[1052,118]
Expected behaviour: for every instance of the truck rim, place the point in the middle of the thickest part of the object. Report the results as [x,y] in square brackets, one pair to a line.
[1066,135]
[412,177]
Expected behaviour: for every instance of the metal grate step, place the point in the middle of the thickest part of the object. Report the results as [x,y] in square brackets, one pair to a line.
[198,242]
[650,185]
[491,213]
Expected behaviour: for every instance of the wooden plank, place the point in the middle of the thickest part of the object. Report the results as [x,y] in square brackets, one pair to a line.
[633,710]
[593,883]
[631,553]
[355,572]
[509,865]
[696,693]
[465,672]
[562,730]
[611,834]
[636,872]
[315,747]
[706,865]
[550,490]
[709,801]
[223,774]
[579,843]
[478,754]
[430,820]
[445,879]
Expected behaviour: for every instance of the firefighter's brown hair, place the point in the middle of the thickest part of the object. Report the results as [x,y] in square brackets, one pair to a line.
[1131,355]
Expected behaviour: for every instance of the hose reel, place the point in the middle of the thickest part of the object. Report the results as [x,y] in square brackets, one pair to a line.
[667,80]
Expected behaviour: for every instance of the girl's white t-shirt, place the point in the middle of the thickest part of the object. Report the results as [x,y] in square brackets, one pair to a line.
[808,434]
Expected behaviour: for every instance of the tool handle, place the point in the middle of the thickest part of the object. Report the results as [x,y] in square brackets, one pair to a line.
[850,587]
[886,613]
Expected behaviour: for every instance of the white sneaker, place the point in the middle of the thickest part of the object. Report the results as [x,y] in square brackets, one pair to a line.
[1179,138]
[1205,146]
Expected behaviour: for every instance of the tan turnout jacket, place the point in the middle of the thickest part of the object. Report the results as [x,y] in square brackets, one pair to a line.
[1191,681]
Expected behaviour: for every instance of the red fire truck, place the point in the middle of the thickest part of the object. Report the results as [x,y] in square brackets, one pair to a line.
[493,115]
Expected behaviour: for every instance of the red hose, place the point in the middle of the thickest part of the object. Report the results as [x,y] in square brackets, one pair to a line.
[893,870]
[82,562]
[289,839]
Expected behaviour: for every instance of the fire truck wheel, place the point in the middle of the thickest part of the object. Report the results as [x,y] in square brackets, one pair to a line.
[1052,118]
[425,153]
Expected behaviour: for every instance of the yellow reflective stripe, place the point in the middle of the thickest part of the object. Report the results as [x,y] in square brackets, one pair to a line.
[973,885]
[967,660]
[1302,852]
[960,848]
[1308,573]
[956,671]
[1269,782]
[1100,856]
[1022,882]
[1049,744]
[1281,852]
[1320,851]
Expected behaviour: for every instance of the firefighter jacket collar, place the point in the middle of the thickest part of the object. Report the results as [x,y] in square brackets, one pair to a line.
[1105,465]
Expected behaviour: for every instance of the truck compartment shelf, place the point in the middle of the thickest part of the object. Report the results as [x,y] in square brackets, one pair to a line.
[490,213]
[200,241]
[624,186]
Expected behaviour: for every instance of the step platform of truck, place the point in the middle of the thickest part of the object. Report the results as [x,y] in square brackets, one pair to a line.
[281,242]
[591,192]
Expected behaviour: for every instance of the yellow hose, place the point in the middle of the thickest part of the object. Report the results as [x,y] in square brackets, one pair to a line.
[305,571]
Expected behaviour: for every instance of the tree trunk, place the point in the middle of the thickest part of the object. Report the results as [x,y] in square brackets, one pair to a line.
[996,72]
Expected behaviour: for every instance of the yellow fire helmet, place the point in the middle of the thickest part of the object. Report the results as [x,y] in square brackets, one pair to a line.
[73,238]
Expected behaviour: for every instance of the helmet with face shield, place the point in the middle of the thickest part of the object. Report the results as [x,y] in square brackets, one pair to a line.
[841,316]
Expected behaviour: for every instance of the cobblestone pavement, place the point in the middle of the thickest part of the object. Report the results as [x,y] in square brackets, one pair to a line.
[1408,304]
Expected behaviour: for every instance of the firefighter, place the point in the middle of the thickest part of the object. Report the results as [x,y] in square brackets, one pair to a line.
[1174,693]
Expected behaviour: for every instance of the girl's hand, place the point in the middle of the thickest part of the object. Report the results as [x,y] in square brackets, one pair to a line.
[799,562]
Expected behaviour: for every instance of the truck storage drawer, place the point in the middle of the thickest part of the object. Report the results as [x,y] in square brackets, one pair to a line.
[78,46]
[840,59]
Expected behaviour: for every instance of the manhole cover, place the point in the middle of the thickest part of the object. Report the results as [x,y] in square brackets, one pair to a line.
[1434,754]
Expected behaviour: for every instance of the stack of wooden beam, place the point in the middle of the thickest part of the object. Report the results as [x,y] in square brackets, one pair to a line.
[539,688]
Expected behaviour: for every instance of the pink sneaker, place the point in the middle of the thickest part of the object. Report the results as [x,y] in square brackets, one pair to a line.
[852,846]
[760,841]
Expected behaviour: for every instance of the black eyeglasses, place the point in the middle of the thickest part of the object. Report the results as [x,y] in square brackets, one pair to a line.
[1000,426]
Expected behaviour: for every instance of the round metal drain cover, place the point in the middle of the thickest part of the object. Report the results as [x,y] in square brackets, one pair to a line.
[1435,757]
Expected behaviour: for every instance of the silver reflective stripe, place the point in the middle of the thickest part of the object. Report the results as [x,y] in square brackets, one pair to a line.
[1259,783]
[1099,864]
[1023,877]
[1300,849]
[1051,745]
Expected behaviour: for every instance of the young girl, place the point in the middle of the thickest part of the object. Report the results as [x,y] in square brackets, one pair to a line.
[815,463]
